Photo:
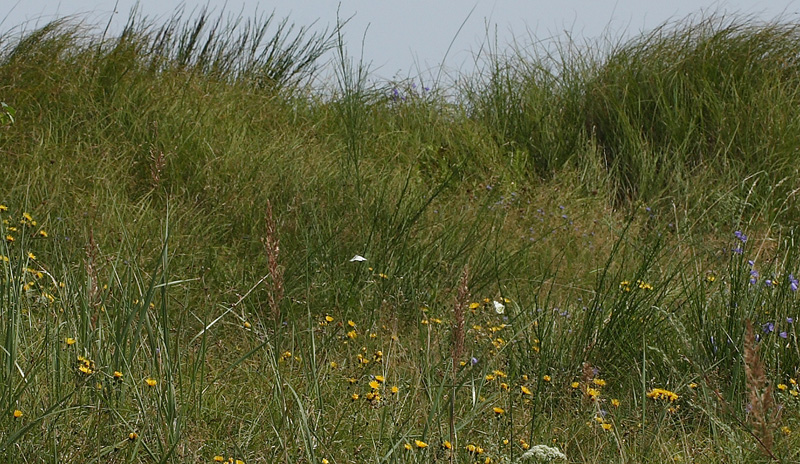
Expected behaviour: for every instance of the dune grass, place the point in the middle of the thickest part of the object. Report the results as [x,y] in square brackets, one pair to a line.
[565,249]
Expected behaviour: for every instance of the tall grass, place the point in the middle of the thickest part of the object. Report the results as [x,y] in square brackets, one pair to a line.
[150,313]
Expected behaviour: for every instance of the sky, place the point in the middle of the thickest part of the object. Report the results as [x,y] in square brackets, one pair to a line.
[408,38]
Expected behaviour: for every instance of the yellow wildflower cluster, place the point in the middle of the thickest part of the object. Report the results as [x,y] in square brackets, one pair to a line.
[626,285]
[85,366]
[219,458]
[661,394]
[792,388]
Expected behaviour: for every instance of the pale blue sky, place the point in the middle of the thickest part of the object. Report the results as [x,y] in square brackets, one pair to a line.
[402,38]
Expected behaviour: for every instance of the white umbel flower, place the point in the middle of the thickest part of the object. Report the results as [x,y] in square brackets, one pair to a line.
[543,454]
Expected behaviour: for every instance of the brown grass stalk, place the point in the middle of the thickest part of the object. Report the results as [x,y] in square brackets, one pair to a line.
[272,245]
[762,413]
[462,300]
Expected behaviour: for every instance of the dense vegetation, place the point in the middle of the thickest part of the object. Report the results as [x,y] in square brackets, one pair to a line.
[206,258]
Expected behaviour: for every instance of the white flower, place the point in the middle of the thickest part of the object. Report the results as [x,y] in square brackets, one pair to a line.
[499,308]
[542,453]
[358,259]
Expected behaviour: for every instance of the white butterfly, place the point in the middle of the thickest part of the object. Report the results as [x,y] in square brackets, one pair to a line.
[499,308]
[357,259]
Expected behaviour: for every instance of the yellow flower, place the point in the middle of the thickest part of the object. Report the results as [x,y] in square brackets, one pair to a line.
[546,378]
[782,387]
[9,238]
[43,233]
[69,341]
[380,378]
[374,385]
[394,389]
[219,458]
[354,397]
[151,382]
[3,208]
[352,335]
[786,430]
[661,394]
[592,393]
[420,444]
[31,255]
[599,382]
[692,385]
[447,445]
[474,305]
[575,385]
[17,414]
[85,368]
[408,446]
[606,426]
[498,411]
[118,376]
[525,390]
[383,276]
[324,461]
[615,402]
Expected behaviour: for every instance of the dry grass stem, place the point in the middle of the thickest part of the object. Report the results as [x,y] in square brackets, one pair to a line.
[272,245]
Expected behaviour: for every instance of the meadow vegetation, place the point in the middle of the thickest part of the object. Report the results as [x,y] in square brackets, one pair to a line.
[588,250]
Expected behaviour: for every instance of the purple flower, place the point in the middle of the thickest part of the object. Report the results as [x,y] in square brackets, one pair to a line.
[783,334]
[473,360]
[738,234]
[768,283]
[769,327]
[792,283]
[751,262]
[737,250]
[790,320]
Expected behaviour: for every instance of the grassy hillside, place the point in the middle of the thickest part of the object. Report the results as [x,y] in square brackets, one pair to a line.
[563,249]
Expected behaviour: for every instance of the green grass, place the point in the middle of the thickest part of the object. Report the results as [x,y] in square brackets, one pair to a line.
[180,206]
